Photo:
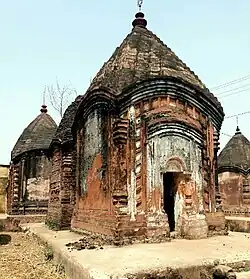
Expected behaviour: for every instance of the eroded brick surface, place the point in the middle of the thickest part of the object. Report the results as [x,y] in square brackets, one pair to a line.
[145,157]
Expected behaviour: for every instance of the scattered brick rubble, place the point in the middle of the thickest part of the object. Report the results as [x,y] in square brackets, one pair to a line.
[96,241]
[90,242]
[4,239]
[223,272]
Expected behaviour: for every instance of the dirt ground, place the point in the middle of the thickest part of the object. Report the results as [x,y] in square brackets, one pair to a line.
[25,258]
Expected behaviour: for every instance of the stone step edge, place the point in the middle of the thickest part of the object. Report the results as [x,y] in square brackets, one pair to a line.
[243,275]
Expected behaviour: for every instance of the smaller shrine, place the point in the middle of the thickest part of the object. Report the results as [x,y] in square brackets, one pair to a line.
[29,173]
[234,175]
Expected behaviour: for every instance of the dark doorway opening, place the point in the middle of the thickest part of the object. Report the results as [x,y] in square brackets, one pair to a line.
[169,193]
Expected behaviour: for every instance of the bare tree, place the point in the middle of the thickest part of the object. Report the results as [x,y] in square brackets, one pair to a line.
[60,96]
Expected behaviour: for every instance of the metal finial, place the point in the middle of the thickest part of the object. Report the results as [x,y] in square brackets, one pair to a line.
[44,107]
[139,3]
[44,92]
[237,128]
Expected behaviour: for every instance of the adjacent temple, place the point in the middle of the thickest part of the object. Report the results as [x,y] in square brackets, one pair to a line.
[233,170]
[29,173]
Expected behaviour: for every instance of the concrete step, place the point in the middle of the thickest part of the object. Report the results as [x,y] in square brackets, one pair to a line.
[243,275]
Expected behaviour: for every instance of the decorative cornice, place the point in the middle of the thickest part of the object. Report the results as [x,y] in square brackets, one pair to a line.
[27,154]
[175,129]
[97,97]
[234,169]
[163,87]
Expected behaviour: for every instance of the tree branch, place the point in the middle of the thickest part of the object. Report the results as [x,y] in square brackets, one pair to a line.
[60,97]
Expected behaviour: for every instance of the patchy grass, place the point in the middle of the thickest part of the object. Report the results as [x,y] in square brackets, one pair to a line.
[27,258]
[52,225]
[48,252]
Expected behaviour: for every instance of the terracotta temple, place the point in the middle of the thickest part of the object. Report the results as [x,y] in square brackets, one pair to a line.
[136,156]
[234,175]
[29,173]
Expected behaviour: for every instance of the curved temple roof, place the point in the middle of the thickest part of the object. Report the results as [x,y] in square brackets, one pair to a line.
[142,55]
[236,153]
[37,135]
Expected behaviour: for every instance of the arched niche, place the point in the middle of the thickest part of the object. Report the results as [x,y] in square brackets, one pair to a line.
[174,165]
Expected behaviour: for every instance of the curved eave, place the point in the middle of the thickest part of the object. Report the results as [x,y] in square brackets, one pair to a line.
[176,88]
[234,169]
[202,99]
[210,96]
[20,155]
[55,142]
[98,95]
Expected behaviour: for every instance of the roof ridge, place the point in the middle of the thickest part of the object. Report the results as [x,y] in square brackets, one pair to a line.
[92,86]
[169,49]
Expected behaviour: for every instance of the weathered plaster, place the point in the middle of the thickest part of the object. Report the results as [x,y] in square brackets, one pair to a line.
[187,155]
[149,133]
[37,189]
[29,184]
[92,144]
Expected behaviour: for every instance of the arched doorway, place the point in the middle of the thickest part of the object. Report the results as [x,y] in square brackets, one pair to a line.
[173,174]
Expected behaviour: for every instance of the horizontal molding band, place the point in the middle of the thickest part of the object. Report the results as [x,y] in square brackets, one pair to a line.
[162,130]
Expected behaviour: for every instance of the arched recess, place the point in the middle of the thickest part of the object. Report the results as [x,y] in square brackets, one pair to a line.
[174,164]
[174,177]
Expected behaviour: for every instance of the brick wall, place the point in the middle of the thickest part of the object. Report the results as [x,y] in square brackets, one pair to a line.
[28,190]
[62,188]
[235,193]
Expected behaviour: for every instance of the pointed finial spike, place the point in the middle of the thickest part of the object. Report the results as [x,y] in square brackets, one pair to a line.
[44,107]
[237,127]
[44,96]
[139,4]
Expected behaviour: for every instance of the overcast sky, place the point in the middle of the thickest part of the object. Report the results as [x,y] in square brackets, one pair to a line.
[42,40]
